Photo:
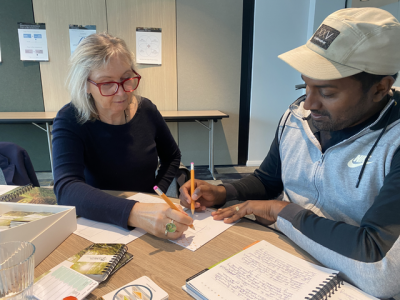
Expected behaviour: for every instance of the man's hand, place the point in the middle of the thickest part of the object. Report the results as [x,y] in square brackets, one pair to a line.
[205,195]
[266,211]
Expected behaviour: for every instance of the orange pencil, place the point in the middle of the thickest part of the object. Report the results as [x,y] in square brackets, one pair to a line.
[169,202]
[192,186]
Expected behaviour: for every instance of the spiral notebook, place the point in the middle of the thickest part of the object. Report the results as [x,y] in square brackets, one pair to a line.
[99,260]
[264,271]
[30,194]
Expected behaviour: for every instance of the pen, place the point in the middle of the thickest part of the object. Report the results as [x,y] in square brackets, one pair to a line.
[192,186]
[169,202]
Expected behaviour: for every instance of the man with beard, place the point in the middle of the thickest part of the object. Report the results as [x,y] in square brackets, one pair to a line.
[332,176]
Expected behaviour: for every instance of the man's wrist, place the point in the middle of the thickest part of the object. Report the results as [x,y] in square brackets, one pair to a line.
[220,198]
[277,207]
[230,192]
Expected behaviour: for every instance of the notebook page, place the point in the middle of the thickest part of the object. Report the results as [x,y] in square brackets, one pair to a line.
[6,188]
[349,292]
[262,271]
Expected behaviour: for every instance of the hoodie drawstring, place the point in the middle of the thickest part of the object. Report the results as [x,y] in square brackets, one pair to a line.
[373,147]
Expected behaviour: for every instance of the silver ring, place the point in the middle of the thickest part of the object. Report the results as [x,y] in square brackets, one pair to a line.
[237,208]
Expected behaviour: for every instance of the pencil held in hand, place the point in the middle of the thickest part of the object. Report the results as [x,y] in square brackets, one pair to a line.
[169,202]
[192,186]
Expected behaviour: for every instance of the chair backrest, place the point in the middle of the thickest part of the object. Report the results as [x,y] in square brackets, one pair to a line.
[2,178]
[181,177]
[16,165]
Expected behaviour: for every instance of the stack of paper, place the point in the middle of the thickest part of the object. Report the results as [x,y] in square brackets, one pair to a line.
[206,228]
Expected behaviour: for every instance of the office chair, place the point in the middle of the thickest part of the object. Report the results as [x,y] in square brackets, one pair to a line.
[16,165]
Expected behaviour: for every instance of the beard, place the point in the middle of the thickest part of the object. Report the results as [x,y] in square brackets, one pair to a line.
[326,125]
[347,119]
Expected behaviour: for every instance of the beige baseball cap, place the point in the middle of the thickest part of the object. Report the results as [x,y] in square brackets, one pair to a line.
[348,42]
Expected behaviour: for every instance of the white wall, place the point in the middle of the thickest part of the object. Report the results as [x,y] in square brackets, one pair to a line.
[324,8]
[279,26]
[209,43]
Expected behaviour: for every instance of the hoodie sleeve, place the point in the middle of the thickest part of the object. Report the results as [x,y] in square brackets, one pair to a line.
[367,255]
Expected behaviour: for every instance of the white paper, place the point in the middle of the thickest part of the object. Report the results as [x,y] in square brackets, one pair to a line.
[78,33]
[148,46]
[6,188]
[62,282]
[262,271]
[138,292]
[349,292]
[98,232]
[206,228]
[33,42]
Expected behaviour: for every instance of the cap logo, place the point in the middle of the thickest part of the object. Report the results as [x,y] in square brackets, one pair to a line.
[324,36]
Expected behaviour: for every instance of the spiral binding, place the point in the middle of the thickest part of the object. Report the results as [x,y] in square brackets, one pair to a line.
[111,265]
[19,191]
[327,289]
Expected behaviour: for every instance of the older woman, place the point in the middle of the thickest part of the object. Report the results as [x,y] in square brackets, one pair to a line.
[109,139]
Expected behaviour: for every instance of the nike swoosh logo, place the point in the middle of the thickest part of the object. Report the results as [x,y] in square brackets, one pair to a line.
[350,164]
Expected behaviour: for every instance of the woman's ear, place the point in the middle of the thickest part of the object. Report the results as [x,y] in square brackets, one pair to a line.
[382,88]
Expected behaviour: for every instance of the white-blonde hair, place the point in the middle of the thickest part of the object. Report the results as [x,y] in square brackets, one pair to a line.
[94,52]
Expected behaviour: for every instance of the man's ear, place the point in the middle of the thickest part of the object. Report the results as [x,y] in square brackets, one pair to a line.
[382,88]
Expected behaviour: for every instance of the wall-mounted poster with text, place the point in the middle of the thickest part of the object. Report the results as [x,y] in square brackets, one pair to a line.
[33,41]
[77,33]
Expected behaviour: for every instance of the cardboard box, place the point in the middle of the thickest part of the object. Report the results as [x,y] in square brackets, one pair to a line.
[47,233]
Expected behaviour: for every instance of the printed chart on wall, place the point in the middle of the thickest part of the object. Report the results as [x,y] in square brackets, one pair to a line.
[148,46]
[77,33]
[33,41]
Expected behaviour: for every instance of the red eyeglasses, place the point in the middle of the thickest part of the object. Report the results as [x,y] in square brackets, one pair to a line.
[111,88]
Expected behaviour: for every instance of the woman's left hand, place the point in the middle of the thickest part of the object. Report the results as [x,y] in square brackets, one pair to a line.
[266,211]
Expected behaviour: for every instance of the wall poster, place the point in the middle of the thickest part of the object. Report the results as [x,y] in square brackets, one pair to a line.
[33,41]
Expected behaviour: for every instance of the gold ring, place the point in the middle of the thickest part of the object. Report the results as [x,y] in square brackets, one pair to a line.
[237,208]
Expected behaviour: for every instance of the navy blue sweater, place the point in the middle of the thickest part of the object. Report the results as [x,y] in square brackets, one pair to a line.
[96,156]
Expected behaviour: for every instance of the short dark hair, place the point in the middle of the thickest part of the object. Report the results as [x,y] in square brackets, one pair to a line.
[368,80]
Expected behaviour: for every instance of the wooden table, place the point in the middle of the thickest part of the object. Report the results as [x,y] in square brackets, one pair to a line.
[168,264]
[198,116]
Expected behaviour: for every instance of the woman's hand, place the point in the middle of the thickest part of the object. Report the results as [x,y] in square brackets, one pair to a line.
[205,195]
[153,217]
[266,211]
